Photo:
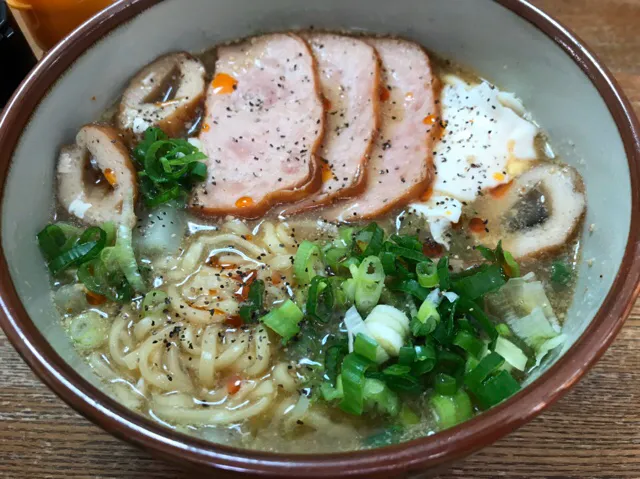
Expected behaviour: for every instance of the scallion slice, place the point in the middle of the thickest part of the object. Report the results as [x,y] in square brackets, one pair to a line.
[88,246]
[369,283]
[155,300]
[487,279]
[368,241]
[428,315]
[470,307]
[410,286]
[496,389]
[445,384]
[320,299]
[354,367]
[470,343]
[254,302]
[487,365]
[284,320]
[425,359]
[377,394]
[307,262]
[451,410]
[511,353]
[444,276]
[51,239]
[366,346]
[427,272]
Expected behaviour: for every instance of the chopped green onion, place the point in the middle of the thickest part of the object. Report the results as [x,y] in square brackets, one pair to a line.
[349,290]
[511,267]
[89,330]
[410,286]
[385,437]
[445,384]
[307,262]
[465,325]
[428,315]
[503,330]
[110,229]
[87,247]
[353,380]
[405,253]
[488,278]
[444,276]
[388,261]
[560,273]
[425,359]
[407,241]
[467,341]
[330,393]
[333,359]
[121,256]
[254,302]
[51,239]
[487,365]
[111,284]
[408,417]
[445,329]
[366,346]
[420,329]
[155,300]
[377,395]
[346,234]
[511,353]
[427,272]
[451,410]
[449,362]
[502,258]
[168,168]
[368,241]
[334,256]
[321,299]
[369,283]
[471,364]
[470,307]
[406,355]
[496,389]
[397,370]
[284,320]
[399,378]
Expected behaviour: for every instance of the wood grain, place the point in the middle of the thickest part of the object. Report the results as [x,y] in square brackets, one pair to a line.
[594,432]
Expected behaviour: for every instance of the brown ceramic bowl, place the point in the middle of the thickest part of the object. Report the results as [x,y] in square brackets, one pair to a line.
[520,48]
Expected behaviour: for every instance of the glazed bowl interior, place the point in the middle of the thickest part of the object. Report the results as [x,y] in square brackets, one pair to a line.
[481,34]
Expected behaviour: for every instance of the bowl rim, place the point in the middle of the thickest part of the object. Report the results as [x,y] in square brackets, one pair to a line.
[414,455]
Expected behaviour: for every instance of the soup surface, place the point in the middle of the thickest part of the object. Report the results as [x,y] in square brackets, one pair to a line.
[313,242]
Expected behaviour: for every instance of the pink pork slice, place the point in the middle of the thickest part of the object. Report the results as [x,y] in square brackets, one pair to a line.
[401,165]
[261,136]
[349,71]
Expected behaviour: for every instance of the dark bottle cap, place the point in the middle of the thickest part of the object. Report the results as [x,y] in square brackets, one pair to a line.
[16,57]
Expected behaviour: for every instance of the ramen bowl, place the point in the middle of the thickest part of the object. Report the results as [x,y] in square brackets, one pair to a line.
[509,42]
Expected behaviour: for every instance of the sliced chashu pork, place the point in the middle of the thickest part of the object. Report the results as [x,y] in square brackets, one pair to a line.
[349,71]
[263,124]
[401,166]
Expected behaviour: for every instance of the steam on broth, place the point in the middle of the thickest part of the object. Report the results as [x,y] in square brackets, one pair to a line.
[276,246]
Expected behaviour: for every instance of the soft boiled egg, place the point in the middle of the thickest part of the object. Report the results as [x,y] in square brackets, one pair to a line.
[484,144]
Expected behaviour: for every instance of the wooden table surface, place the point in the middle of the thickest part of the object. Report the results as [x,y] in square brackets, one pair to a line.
[593,432]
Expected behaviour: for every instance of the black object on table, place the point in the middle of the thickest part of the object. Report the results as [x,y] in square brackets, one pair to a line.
[16,57]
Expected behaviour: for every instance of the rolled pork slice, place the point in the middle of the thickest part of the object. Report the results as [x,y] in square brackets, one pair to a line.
[401,165]
[264,122]
[349,71]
